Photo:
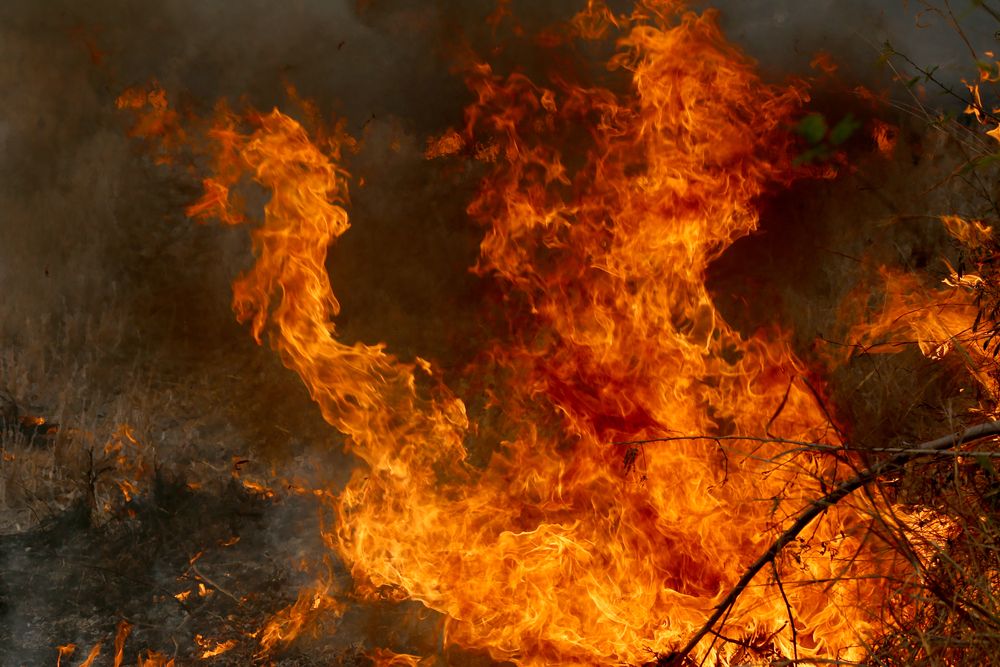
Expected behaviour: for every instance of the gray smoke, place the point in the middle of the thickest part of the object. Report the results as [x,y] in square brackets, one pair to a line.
[784,36]
[88,225]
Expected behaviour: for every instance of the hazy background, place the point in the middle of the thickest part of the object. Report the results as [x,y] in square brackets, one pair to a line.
[90,229]
[83,217]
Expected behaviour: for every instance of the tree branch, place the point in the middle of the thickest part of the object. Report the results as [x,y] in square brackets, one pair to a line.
[819,506]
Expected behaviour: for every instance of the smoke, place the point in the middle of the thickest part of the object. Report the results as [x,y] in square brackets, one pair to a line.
[784,36]
[89,226]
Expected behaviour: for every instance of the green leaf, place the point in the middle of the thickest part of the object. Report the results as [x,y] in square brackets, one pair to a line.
[812,128]
[842,131]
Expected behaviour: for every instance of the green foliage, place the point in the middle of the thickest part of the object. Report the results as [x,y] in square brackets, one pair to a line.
[843,130]
[981,162]
[812,128]
[821,139]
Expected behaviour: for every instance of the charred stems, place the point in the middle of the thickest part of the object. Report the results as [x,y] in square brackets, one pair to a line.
[818,507]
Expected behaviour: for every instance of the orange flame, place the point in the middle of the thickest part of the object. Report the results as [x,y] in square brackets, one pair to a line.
[603,212]
[386,658]
[124,629]
[211,648]
[155,659]
[937,321]
[92,656]
[65,651]
[288,623]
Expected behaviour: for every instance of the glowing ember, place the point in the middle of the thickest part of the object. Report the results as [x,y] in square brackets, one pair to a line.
[603,210]
[211,648]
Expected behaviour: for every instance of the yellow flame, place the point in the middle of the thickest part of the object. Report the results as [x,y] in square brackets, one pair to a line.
[211,648]
[603,210]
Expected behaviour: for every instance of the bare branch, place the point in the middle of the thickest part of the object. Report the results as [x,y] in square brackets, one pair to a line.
[818,507]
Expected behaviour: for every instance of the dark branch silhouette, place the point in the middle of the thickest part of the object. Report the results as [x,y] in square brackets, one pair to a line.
[817,507]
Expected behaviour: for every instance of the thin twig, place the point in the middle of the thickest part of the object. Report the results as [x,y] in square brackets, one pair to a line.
[788,607]
[818,507]
[927,74]
[781,406]
[194,568]
[816,446]
[992,12]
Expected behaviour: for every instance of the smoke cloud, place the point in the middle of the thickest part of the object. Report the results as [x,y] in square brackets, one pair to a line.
[88,225]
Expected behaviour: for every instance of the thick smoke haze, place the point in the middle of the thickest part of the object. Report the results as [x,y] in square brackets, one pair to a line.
[87,223]
[784,36]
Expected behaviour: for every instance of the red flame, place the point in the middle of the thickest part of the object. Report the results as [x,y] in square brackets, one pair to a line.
[602,211]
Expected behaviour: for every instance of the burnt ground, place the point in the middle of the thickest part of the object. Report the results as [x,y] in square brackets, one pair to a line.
[70,581]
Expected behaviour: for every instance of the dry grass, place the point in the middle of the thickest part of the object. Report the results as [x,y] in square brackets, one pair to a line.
[946,519]
[46,469]
[948,611]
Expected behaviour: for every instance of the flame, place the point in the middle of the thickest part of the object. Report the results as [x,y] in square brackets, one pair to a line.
[158,122]
[973,234]
[155,659]
[386,658]
[937,321]
[289,623]
[257,488]
[603,211]
[885,137]
[92,656]
[824,62]
[124,629]
[64,651]
[211,648]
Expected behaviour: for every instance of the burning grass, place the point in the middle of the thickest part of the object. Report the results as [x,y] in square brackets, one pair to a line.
[620,467]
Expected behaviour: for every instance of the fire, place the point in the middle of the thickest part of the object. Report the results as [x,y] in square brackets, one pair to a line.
[288,623]
[603,209]
[386,658]
[937,320]
[211,648]
[124,630]
[64,651]
[92,656]
[155,659]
